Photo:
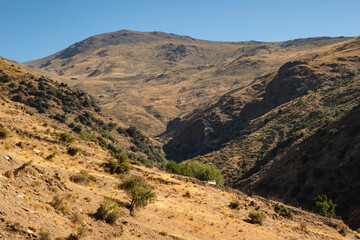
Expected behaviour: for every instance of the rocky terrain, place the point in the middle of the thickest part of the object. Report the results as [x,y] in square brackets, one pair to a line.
[50,192]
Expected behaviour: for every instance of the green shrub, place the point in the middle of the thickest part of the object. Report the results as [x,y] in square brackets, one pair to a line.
[283,211]
[119,165]
[324,206]
[257,217]
[60,118]
[139,190]
[108,211]
[72,151]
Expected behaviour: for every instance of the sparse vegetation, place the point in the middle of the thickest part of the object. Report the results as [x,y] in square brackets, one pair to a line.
[257,217]
[108,211]
[140,192]
[283,211]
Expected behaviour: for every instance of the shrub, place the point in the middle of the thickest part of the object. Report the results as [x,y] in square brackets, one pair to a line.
[3,133]
[257,217]
[139,190]
[283,211]
[324,206]
[66,137]
[51,156]
[82,177]
[44,235]
[59,203]
[108,211]
[60,117]
[119,165]
[72,151]
[343,230]
[234,204]
[187,194]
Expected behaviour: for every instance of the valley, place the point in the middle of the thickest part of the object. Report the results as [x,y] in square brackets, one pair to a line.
[278,120]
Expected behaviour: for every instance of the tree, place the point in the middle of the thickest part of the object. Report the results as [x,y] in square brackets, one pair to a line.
[324,206]
[139,190]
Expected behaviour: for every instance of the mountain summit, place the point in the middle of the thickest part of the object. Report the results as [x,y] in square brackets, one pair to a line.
[149,78]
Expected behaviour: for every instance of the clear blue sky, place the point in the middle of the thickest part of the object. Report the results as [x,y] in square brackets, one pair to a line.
[32,29]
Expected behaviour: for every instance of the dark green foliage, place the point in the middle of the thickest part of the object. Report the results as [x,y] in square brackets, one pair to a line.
[119,165]
[257,217]
[324,206]
[234,204]
[72,151]
[101,142]
[60,117]
[140,192]
[5,78]
[77,129]
[122,131]
[197,170]
[283,211]
[85,118]
[143,144]
[108,211]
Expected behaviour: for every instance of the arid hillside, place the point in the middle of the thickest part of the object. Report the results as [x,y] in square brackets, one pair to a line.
[146,79]
[276,136]
[49,191]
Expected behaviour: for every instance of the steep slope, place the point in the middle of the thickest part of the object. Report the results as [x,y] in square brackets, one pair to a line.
[149,78]
[43,194]
[74,111]
[301,98]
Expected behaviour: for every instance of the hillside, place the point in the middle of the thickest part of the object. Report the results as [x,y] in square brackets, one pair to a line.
[48,192]
[276,136]
[147,79]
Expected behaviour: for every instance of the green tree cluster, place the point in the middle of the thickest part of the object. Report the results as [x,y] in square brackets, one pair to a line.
[195,169]
[324,206]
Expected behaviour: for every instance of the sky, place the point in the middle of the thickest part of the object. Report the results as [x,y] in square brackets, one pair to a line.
[31,29]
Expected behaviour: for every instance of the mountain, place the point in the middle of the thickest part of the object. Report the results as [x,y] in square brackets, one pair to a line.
[147,79]
[49,192]
[290,134]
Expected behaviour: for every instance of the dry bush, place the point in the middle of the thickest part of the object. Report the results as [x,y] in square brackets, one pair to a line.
[82,177]
[59,204]
[257,217]
[4,133]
